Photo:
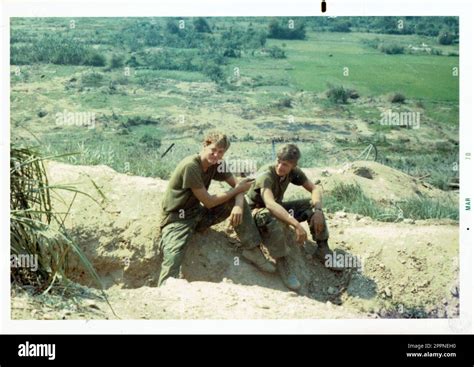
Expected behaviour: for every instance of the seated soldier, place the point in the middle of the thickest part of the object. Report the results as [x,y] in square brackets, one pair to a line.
[273,216]
[183,214]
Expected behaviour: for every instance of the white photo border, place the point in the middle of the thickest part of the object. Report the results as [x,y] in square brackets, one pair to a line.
[137,8]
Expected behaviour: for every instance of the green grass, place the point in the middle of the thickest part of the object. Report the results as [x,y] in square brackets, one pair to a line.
[438,166]
[36,229]
[425,208]
[370,72]
[127,153]
[350,198]
[165,94]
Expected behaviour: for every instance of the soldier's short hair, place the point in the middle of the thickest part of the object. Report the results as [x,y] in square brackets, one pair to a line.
[289,152]
[216,137]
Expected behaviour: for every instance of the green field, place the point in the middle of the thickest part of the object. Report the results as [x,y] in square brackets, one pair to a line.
[181,83]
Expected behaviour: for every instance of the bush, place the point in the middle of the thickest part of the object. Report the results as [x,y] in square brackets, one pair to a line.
[445,38]
[396,98]
[95,59]
[281,30]
[116,61]
[136,121]
[214,72]
[337,94]
[247,137]
[232,52]
[172,27]
[284,103]
[341,26]
[201,25]
[373,43]
[150,141]
[132,61]
[21,55]
[36,229]
[391,49]
[277,53]
[92,79]
[54,49]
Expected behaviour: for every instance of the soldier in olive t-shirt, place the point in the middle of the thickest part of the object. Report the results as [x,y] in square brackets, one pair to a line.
[273,223]
[267,177]
[179,199]
[273,231]
[182,213]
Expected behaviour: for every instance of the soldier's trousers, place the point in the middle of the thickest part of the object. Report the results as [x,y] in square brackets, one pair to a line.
[274,231]
[176,234]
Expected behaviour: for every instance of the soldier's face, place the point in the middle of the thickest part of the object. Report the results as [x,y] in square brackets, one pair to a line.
[283,168]
[213,153]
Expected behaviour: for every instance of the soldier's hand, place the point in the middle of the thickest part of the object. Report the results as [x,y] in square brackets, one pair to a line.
[244,185]
[301,235]
[236,216]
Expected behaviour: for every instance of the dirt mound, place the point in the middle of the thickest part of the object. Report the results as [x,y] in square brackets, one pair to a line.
[409,270]
[378,182]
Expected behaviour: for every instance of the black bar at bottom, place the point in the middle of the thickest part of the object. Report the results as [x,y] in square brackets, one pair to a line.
[410,349]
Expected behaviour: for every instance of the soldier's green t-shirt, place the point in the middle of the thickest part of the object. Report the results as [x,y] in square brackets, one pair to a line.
[189,175]
[268,178]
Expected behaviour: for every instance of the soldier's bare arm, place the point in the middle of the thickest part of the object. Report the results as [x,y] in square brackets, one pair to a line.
[316,194]
[210,201]
[237,211]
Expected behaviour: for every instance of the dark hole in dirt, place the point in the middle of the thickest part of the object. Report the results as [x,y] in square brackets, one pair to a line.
[364,172]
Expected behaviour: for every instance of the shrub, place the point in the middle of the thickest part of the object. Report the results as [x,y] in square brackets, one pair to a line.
[373,43]
[214,72]
[54,49]
[201,25]
[396,98]
[277,53]
[281,30]
[341,26]
[150,141]
[92,79]
[95,59]
[35,228]
[116,61]
[445,38]
[247,137]
[337,94]
[391,49]
[172,27]
[284,103]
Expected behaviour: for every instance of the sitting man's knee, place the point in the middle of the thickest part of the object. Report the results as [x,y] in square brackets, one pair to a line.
[276,241]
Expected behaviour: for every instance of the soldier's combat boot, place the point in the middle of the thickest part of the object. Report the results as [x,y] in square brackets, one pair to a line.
[288,278]
[326,256]
[256,257]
